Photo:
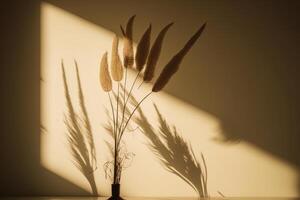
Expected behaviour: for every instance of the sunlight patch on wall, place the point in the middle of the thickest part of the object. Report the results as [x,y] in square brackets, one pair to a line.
[235,170]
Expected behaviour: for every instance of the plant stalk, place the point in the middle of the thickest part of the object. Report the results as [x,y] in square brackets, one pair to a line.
[115,138]
[125,102]
[131,114]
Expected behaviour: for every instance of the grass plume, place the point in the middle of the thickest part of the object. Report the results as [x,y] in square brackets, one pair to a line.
[173,65]
[154,54]
[129,27]
[105,79]
[116,64]
[142,49]
[128,43]
[166,142]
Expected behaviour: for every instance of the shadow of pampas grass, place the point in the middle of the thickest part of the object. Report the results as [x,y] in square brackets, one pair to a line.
[80,137]
[174,153]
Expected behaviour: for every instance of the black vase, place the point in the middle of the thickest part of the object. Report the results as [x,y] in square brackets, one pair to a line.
[115,192]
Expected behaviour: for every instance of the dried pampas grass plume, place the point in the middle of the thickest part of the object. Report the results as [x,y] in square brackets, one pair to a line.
[173,65]
[105,79]
[142,49]
[128,53]
[154,54]
[129,27]
[116,64]
[128,44]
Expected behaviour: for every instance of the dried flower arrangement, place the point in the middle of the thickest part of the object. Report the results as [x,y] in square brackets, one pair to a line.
[145,60]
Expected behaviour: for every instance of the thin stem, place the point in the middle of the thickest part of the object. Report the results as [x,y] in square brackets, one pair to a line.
[133,85]
[136,107]
[125,81]
[115,138]
[115,163]
[141,84]
[113,113]
[130,91]
[124,106]
[117,119]
[125,102]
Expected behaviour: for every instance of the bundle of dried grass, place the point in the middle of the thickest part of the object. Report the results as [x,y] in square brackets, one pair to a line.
[121,118]
[105,79]
[142,49]
[154,54]
[116,64]
[128,44]
[173,65]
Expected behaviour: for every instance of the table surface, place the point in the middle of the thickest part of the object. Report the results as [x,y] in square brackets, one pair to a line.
[146,198]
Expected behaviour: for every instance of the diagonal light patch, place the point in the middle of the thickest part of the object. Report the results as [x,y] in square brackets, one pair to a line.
[236,170]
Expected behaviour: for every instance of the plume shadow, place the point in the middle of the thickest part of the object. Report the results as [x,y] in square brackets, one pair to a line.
[175,154]
[80,138]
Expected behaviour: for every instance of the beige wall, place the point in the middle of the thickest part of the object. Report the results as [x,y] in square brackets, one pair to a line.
[241,77]
[21,172]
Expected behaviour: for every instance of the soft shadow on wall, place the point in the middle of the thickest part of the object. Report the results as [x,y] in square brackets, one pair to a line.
[20,171]
[22,47]
[246,76]
[249,87]
[100,19]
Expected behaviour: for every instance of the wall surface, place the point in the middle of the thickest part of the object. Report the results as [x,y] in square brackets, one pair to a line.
[235,96]
[20,169]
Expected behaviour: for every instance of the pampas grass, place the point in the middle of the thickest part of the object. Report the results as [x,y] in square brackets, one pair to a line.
[116,64]
[128,53]
[105,79]
[122,30]
[142,49]
[154,54]
[173,65]
[128,44]
[129,27]
[120,112]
